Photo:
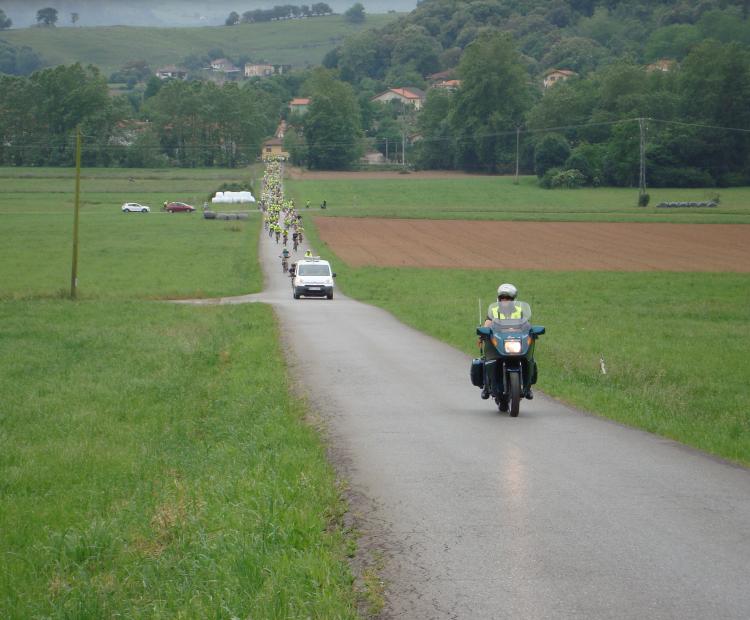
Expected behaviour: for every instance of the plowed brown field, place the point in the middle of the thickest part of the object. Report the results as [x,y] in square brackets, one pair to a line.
[560,246]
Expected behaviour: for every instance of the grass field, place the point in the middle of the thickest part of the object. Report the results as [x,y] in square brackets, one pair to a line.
[152,460]
[153,465]
[674,344]
[497,198]
[300,43]
[155,255]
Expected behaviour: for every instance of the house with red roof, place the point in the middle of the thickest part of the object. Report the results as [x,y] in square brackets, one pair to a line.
[299,105]
[664,65]
[409,96]
[557,75]
[449,85]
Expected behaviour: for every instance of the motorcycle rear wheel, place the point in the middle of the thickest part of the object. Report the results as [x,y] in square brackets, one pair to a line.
[515,393]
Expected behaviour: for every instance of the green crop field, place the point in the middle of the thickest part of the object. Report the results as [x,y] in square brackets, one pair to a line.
[497,198]
[154,255]
[299,42]
[674,344]
[152,460]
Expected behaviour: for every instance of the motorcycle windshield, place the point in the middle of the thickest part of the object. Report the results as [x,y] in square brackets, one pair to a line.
[513,316]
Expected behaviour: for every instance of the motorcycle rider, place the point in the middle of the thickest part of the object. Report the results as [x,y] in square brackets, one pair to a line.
[506,308]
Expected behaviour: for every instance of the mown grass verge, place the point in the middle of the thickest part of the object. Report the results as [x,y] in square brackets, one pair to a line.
[674,344]
[154,465]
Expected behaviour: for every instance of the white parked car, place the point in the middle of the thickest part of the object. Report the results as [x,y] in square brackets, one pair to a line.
[129,207]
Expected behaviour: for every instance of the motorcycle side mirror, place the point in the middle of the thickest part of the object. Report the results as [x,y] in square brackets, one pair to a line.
[484,331]
[537,330]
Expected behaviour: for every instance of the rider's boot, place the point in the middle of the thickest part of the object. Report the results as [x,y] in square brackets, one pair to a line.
[485,393]
[528,394]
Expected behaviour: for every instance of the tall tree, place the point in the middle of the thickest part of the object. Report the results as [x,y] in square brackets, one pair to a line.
[332,123]
[46,17]
[490,104]
[5,22]
[355,14]
[435,150]
[41,112]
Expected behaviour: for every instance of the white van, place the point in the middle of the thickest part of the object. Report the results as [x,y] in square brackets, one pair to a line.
[313,278]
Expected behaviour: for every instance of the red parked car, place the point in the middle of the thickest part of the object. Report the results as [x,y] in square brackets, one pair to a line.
[176,207]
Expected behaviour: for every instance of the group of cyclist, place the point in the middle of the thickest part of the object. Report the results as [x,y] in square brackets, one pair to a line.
[280,217]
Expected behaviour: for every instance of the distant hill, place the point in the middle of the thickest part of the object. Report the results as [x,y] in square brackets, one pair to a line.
[299,43]
[166,13]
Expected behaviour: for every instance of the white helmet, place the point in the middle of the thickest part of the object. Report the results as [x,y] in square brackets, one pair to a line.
[507,289]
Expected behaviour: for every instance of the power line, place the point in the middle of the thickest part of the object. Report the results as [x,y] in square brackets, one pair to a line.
[715,127]
[188,147]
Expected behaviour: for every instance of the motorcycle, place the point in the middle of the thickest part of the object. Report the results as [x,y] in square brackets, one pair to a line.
[507,370]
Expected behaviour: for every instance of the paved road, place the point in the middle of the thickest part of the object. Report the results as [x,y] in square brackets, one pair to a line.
[555,514]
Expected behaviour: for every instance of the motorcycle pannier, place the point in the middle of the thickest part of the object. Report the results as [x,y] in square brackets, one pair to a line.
[477,372]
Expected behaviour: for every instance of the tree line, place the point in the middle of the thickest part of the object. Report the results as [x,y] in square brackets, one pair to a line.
[698,133]
[179,123]
[282,11]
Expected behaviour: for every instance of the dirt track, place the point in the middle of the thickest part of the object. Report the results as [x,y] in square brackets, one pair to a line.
[555,246]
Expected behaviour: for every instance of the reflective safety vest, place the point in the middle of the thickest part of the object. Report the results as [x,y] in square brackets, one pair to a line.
[516,314]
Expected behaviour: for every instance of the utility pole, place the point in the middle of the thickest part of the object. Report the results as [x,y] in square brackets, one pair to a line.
[404,122]
[74,269]
[403,147]
[518,140]
[386,148]
[642,171]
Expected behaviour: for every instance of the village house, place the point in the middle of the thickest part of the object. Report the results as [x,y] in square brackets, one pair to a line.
[409,96]
[264,69]
[258,70]
[299,105]
[128,131]
[222,65]
[663,64]
[171,72]
[440,76]
[274,147]
[449,85]
[553,76]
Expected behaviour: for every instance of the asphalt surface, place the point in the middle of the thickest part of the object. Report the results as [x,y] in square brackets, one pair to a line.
[554,514]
